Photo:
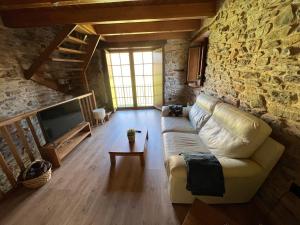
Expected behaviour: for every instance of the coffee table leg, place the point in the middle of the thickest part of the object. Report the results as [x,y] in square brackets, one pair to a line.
[112,159]
[142,159]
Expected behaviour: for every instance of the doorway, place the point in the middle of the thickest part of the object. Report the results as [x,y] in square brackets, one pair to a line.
[135,78]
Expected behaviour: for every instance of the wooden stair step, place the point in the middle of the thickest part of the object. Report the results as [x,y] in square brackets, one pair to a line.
[85,29]
[73,69]
[75,40]
[74,78]
[70,51]
[67,60]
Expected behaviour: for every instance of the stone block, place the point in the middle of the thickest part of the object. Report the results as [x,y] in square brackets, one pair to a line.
[285,17]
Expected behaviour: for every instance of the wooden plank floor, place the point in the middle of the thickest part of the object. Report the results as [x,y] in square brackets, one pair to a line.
[85,190]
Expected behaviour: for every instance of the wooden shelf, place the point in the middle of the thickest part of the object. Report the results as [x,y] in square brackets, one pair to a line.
[56,151]
[64,150]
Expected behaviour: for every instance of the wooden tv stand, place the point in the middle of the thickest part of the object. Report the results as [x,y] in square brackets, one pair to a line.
[60,148]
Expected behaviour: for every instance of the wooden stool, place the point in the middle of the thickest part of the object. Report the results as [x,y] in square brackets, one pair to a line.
[99,115]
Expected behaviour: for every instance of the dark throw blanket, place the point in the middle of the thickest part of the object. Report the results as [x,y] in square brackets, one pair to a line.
[204,174]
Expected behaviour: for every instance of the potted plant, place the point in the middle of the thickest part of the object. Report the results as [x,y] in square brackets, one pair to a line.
[131,135]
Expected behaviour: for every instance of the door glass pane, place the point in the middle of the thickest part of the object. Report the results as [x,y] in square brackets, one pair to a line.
[138,70]
[127,82]
[126,70]
[119,70]
[143,78]
[138,57]
[115,59]
[124,58]
[148,69]
[147,57]
[116,71]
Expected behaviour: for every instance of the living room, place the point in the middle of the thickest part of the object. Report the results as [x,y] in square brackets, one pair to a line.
[149,112]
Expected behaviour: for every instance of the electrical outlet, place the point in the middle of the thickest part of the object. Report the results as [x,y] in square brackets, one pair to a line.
[295,189]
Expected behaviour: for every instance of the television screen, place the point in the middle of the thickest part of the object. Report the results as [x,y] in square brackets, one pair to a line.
[58,120]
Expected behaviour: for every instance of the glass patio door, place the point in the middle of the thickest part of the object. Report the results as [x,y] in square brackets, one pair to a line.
[120,79]
[132,80]
[143,74]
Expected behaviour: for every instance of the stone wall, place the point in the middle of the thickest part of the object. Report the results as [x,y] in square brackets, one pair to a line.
[18,48]
[175,67]
[254,63]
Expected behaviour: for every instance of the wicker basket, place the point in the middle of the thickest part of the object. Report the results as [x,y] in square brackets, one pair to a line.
[39,181]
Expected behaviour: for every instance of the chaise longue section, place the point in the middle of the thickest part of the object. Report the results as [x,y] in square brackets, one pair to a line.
[239,140]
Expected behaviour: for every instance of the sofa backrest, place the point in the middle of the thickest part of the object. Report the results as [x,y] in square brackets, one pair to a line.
[202,110]
[233,133]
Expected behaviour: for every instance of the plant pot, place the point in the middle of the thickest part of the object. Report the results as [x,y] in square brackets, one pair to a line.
[131,138]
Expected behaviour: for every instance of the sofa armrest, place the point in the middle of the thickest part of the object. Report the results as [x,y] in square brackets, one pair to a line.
[177,166]
[165,111]
[186,111]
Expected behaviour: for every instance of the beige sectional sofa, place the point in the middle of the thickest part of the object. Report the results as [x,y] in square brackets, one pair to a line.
[239,140]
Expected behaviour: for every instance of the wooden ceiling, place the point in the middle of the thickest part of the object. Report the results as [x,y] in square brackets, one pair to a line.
[114,20]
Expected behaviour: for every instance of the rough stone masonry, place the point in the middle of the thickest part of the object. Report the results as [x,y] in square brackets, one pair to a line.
[254,63]
[18,49]
[175,69]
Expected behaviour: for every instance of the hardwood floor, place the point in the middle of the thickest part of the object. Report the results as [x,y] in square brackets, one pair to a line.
[86,190]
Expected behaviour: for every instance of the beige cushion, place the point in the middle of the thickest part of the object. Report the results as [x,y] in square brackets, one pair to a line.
[207,102]
[233,133]
[202,110]
[198,117]
[175,143]
[176,124]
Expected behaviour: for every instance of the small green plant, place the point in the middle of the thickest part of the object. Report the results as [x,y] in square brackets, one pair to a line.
[131,132]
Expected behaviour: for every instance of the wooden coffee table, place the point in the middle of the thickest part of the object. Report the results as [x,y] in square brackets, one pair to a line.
[122,147]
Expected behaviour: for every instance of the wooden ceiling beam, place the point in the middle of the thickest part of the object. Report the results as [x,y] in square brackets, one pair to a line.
[147,27]
[99,14]
[132,45]
[149,37]
[21,4]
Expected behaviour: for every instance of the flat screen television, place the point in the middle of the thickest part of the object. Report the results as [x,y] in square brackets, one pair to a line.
[58,120]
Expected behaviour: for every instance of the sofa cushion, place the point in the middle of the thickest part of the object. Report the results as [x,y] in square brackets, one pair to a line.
[175,143]
[233,133]
[207,102]
[202,110]
[198,117]
[176,124]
